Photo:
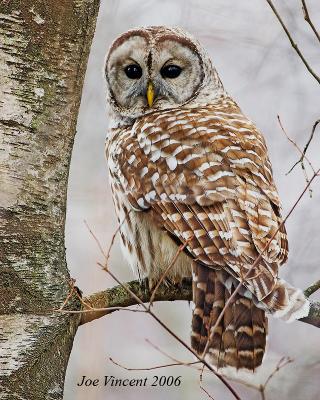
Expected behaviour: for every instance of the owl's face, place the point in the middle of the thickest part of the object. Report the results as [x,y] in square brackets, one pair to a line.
[154,69]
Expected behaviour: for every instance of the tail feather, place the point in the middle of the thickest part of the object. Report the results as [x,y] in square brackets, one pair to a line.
[240,337]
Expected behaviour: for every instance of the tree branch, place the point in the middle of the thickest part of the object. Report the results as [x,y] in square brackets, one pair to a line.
[115,298]
[312,289]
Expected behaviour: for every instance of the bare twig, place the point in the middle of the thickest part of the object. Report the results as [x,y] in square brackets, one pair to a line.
[301,160]
[311,136]
[206,392]
[201,383]
[282,363]
[303,155]
[105,310]
[107,255]
[73,291]
[176,364]
[69,295]
[157,348]
[308,19]
[293,44]
[95,238]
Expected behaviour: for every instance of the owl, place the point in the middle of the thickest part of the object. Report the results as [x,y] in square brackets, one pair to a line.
[188,167]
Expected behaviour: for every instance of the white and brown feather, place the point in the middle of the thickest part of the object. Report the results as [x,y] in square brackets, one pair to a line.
[207,183]
[200,173]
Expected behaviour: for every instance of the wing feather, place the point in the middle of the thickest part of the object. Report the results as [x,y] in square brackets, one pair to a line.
[205,173]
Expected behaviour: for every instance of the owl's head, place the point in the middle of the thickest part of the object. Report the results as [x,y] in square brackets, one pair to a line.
[158,68]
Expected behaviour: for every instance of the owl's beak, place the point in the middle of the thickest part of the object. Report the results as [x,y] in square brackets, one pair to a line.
[150,93]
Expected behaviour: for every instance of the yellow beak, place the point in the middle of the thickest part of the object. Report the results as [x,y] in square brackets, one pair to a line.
[150,93]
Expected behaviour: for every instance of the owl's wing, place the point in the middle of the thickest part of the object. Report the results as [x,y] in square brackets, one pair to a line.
[206,176]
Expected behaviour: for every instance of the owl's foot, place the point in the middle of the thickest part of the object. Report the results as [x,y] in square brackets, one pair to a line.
[154,285]
[145,287]
[168,282]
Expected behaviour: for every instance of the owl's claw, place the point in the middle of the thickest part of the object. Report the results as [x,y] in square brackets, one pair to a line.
[153,286]
[145,287]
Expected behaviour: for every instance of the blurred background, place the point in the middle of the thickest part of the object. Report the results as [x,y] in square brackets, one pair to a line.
[262,72]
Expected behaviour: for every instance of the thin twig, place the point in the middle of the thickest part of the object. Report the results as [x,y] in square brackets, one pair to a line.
[201,385]
[311,136]
[261,388]
[73,290]
[293,44]
[206,392]
[107,255]
[94,236]
[303,153]
[176,364]
[306,147]
[69,295]
[282,363]
[308,19]
[107,310]
[157,348]
[301,160]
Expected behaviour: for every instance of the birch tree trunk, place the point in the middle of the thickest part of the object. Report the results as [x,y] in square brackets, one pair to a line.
[44,47]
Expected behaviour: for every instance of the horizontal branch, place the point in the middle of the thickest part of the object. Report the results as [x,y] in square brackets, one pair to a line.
[116,298]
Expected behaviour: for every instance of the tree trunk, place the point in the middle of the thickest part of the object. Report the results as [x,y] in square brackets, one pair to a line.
[44,47]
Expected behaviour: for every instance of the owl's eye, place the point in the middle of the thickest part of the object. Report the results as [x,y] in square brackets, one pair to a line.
[133,71]
[170,71]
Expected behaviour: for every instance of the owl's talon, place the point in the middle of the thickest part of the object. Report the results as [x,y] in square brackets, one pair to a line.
[145,288]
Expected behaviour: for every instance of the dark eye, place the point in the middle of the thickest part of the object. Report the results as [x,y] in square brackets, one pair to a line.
[133,71]
[170,71]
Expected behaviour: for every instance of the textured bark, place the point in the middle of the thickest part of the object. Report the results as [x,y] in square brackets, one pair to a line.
[44,48]
[119,297]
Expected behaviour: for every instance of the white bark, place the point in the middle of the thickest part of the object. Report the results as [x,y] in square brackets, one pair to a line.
[44,48]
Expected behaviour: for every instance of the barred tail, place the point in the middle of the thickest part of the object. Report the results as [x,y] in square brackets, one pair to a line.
[239,339]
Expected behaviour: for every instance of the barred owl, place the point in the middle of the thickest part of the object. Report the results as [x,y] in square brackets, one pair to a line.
[188,167]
